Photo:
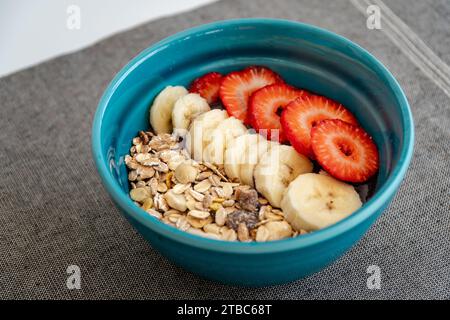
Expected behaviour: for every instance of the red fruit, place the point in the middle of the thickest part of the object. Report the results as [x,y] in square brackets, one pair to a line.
[304,113]
[265,105]
[344,150]
[237,87]
[207,86]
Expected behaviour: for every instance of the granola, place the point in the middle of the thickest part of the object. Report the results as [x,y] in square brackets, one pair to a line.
[197,197]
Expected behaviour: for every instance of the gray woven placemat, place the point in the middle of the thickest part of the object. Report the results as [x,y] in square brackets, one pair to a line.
[54,211]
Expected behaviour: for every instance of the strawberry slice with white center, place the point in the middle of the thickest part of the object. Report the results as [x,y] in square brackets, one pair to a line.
[344,150]
[207,86]
[238,86]
[265,106]
[302,114]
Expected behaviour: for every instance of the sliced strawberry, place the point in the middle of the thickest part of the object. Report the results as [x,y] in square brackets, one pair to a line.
[304,113]
[265,106]
[207,86]
[344,150]
[237,87]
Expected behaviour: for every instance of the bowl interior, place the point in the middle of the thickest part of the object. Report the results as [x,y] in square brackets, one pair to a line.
[304,56]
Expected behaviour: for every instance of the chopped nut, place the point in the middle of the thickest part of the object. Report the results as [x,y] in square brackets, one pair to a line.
[207,200]
[139,194]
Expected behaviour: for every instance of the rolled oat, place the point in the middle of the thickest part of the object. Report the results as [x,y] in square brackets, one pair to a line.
[197,197]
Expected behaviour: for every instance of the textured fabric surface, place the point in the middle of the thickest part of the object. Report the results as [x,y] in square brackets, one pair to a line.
[54,211]
[419,16]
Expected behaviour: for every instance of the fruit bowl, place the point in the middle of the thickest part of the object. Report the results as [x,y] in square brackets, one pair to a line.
[306,57]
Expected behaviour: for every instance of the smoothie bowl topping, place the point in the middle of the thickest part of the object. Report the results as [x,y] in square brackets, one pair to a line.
[248,157]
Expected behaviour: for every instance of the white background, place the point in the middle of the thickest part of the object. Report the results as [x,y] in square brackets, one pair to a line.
[32,31]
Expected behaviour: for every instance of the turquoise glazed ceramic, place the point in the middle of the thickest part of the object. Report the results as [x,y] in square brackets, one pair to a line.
[305,56]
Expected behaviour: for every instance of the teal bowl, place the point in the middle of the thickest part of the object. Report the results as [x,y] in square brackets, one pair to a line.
[306,57]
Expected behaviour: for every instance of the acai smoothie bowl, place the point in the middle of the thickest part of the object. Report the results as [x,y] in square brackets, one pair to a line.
[253,152]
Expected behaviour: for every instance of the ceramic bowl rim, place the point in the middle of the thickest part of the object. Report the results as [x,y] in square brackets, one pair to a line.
[381,197]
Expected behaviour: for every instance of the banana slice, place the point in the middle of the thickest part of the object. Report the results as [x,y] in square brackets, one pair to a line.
[186,109]
[314,201]
[276,169]
[161,109]
[251,157]
[235,153]
[199,134]
[221,137]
